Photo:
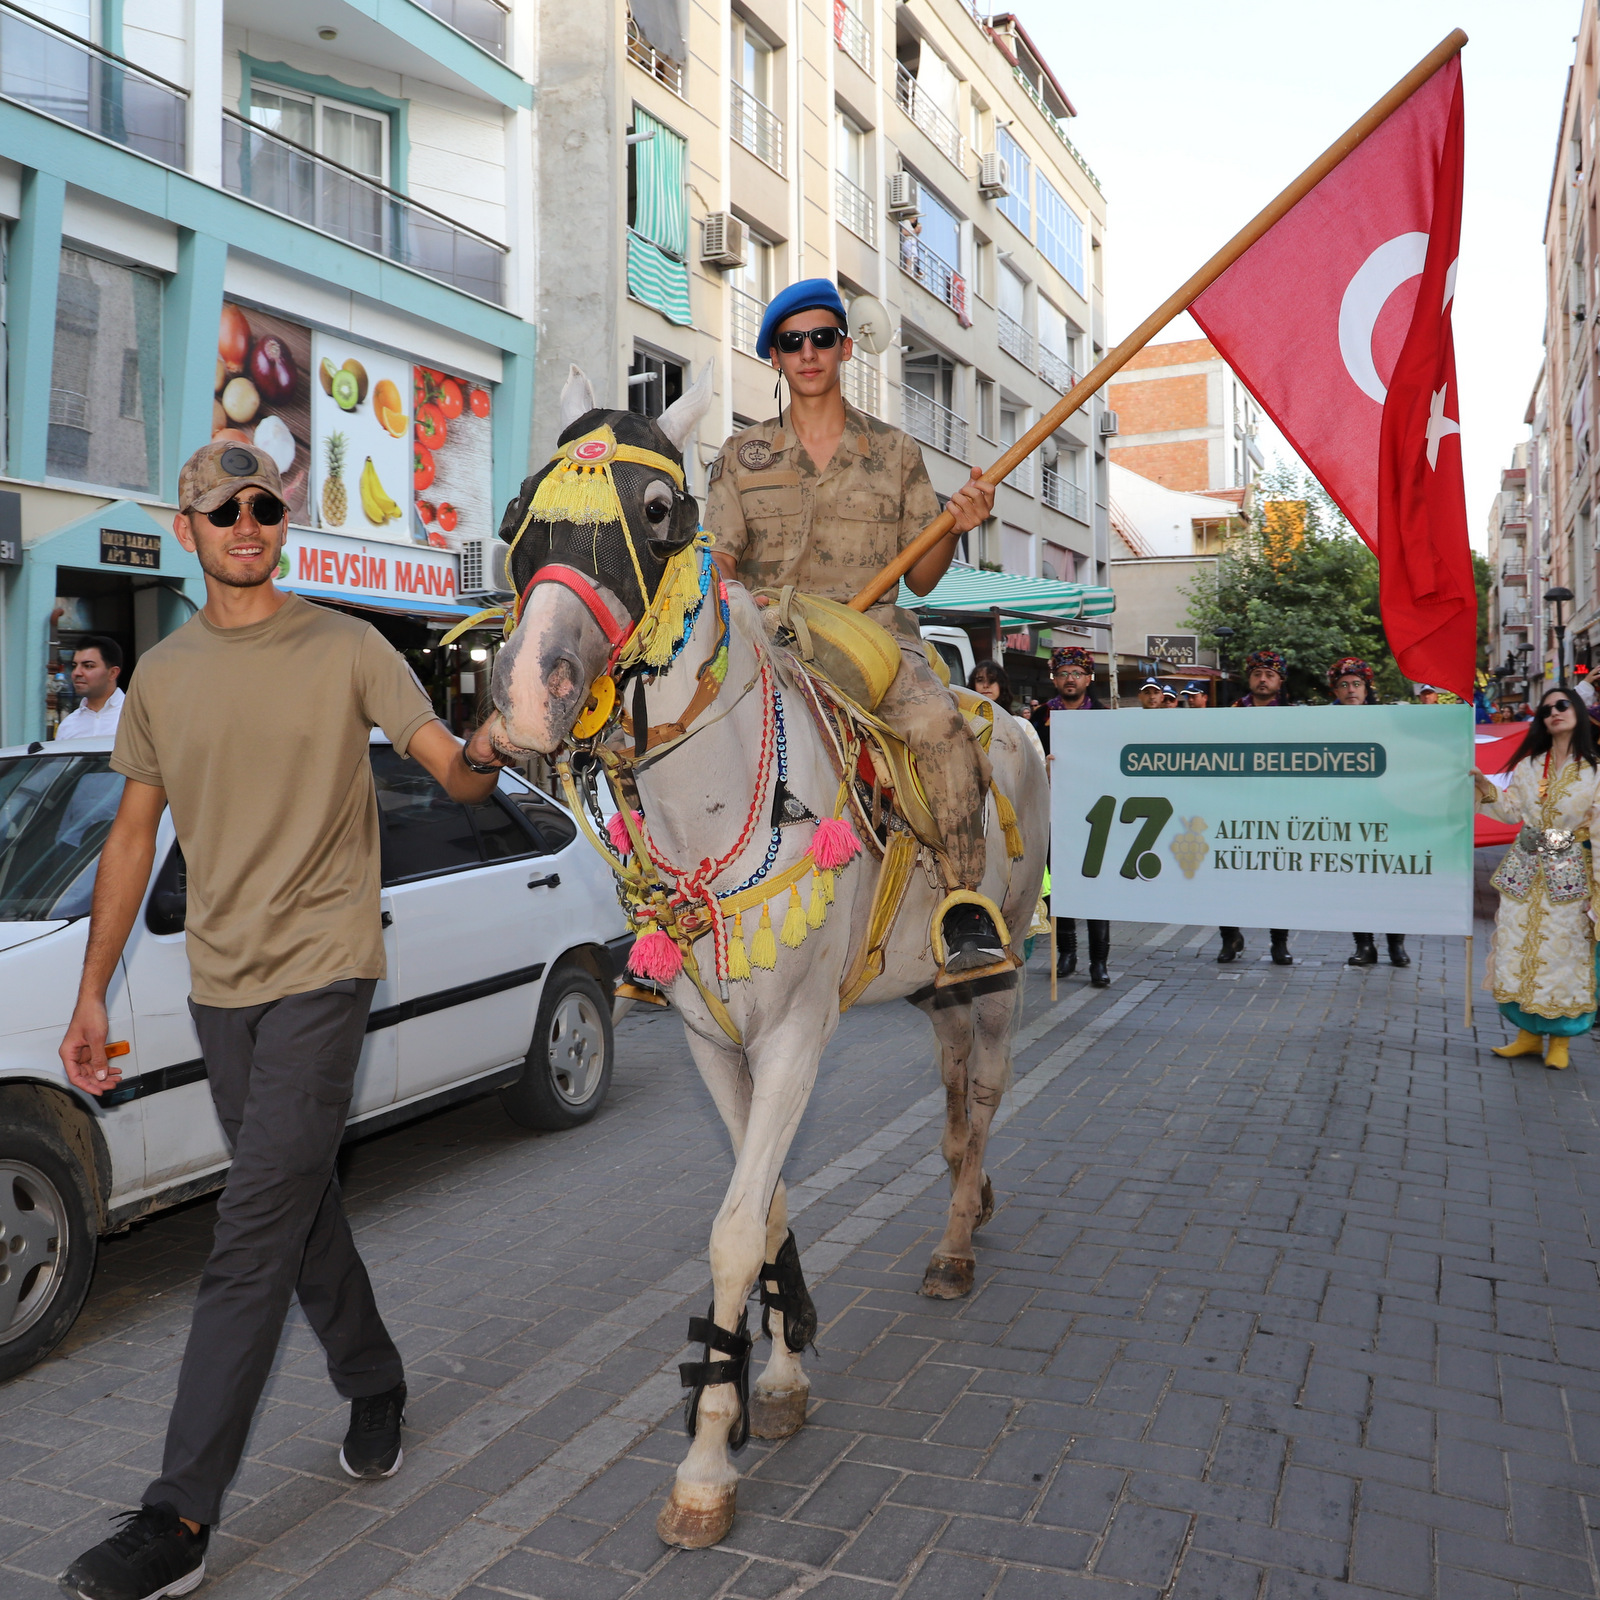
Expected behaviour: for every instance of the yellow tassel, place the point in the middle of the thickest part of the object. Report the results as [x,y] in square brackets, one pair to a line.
[817,911]
[572,492]
[738,960]
[764,948]
[1007,814]
[825,879]
[794,921]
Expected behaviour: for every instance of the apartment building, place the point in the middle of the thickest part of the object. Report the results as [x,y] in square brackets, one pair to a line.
[1184,420]
[303,227]
[919,157]
[1510,550]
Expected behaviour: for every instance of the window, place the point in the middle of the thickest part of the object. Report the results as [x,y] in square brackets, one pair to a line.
[105,382]
[75,16]
[424,832]
[1016,204]
[1060,234]
[752,62]
[850,149]
[754,278]
[939,230]
[351,135]
[654,382]
[1013,294]
[988,423]
[54,816]
[983,268]
[658,219]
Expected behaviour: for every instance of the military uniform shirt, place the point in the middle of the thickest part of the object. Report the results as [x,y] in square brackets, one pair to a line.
[830,532]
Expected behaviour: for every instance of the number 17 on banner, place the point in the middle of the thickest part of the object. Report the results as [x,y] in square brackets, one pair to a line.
[1141,861]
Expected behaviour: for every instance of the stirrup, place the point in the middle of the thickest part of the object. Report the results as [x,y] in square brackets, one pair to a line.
[957,897]
[791,1299]
[696,1375]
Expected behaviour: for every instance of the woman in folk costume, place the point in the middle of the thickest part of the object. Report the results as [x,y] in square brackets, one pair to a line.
[1350,679]
[1542,958]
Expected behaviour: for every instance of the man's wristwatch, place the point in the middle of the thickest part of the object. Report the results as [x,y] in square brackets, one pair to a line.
[475,767]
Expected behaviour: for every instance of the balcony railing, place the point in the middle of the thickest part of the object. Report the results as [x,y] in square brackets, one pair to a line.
[1056,370]
[851,35]
[920,108]
[933,424]
[1020,477]
[644,54]
[856,210]
[934,273]
[757,129]
[1016,341]
[1514,616]
[288,178]
[859,380]
[746,324]
[1055,125]
[481,21]
[1514,570]
[1064,496]
[50,71]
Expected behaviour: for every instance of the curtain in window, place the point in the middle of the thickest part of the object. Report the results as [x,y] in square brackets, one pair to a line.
[658,241]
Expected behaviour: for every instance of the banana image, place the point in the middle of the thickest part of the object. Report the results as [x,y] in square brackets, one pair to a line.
[376,501]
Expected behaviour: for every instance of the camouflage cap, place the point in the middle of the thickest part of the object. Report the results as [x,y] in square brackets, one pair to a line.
[219,470]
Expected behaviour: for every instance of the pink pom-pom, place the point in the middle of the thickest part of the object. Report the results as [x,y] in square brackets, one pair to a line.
[656,957]
[617,832]
[834,843]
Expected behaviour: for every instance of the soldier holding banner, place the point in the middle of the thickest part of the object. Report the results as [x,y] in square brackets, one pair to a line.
[1266,674]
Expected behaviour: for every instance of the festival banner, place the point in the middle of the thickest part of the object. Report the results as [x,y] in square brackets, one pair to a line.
[1321,817]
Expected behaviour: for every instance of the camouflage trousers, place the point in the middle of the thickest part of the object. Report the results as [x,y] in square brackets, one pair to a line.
[954,772]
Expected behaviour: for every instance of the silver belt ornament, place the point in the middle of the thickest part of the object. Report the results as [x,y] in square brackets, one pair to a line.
[1545,841]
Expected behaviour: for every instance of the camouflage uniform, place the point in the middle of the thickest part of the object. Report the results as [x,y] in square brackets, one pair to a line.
[828,534]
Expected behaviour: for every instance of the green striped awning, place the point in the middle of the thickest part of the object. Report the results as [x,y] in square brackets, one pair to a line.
[972,591]
[659,281]
[660,198]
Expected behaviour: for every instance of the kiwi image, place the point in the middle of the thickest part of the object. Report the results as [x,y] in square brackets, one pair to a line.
[325,373]
[359,373]
[345,390]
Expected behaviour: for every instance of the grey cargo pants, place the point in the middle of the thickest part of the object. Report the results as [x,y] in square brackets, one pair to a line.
[280,1075]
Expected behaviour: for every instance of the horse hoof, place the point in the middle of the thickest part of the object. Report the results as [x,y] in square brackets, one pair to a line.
[777,1413]
[694,1518]
[948,1278]
[986,1204]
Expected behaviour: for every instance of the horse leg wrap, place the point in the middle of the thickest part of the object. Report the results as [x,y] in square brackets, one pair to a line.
[791,1298]
[696,1375]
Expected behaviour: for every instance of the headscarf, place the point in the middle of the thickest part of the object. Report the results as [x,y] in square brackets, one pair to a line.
[1350,667]
[1071,655]
[1275,659]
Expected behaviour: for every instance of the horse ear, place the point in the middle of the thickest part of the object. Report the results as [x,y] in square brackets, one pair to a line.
[682,417]
[577,396]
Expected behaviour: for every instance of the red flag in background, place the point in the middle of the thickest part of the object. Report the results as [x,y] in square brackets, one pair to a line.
[1338,320]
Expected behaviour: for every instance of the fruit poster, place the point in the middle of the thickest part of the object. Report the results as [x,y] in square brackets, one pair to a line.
[360,440]
[263,395]
[452,459]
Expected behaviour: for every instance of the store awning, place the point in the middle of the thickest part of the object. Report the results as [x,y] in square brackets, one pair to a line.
[972,591]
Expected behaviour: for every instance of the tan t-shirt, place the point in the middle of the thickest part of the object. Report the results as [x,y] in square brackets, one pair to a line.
[830,532]
[259,737]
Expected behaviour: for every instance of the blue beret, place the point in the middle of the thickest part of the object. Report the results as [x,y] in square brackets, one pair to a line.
[810,294]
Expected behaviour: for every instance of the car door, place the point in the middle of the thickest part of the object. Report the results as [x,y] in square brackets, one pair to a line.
[464,889]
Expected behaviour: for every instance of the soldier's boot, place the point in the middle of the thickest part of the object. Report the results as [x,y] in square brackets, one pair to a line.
[1099,954]
[1280,947]
[1397,950]
[1366,951]
[1232,946]
[1066,947]
[970,938]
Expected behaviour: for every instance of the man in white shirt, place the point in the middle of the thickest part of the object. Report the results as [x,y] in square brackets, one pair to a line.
[96,666]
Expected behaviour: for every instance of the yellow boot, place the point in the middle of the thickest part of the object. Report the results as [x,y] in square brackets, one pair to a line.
[1556,1054]
[1525,1044]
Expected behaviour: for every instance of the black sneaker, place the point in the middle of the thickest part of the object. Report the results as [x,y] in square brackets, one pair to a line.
[151,1555]
[372,1446]
[971,939]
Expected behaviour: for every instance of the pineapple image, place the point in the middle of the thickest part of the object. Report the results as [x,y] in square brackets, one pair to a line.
[1189,847]
[335,497]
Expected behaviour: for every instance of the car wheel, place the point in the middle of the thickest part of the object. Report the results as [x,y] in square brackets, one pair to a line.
[48,1241]
[568,1070]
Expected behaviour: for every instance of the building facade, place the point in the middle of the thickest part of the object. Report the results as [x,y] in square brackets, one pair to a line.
[1184,420]
[919,158]
[1510,617]
[307,229]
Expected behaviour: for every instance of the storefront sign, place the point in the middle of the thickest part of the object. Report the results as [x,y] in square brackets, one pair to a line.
[408,577]
[119,549]
[1278,819]
[1176,649]
[10,528]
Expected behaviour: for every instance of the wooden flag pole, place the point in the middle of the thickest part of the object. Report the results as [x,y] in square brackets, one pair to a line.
[1180,301]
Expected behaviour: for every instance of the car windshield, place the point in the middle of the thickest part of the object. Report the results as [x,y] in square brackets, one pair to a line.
[55,812]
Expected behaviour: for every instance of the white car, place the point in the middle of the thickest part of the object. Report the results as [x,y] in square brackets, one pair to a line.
[504,941]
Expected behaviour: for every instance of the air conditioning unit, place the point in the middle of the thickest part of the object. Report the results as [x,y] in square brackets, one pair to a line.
[1108,423]
[484,567]
[905,198]
[994,176]
[722,240]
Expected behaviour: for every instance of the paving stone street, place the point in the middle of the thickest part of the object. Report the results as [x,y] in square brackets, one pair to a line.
[1291,1295]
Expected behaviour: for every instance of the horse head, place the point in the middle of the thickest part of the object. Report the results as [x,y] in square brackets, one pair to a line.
[591,535]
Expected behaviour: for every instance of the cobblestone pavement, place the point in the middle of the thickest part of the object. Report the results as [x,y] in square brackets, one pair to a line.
[1291,1294]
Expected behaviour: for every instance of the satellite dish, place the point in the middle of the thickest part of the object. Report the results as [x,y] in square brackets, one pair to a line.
[869,325]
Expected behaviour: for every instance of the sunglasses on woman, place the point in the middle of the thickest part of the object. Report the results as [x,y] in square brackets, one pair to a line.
[1554,705]
[821,339]
[267,509]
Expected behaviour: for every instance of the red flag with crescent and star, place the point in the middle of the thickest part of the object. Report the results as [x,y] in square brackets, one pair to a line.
[1338,321]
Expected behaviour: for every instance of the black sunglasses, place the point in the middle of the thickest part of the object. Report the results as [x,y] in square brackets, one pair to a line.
[267,509]
[821,339]
[1554,705]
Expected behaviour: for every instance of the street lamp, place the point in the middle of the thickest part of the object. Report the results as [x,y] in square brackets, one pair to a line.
[1222,636]
[1558,597]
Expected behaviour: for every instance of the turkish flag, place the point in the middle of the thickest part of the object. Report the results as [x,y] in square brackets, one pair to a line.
[1338,321]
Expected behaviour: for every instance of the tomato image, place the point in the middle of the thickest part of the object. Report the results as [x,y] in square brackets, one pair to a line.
[425,510]
[421,466]
[478,402]
[450,398]
[430,425]
[447,516]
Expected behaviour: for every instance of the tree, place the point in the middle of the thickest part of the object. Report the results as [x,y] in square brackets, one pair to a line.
[1301,581]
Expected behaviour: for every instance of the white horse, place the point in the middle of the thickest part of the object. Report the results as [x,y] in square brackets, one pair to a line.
[703,791]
